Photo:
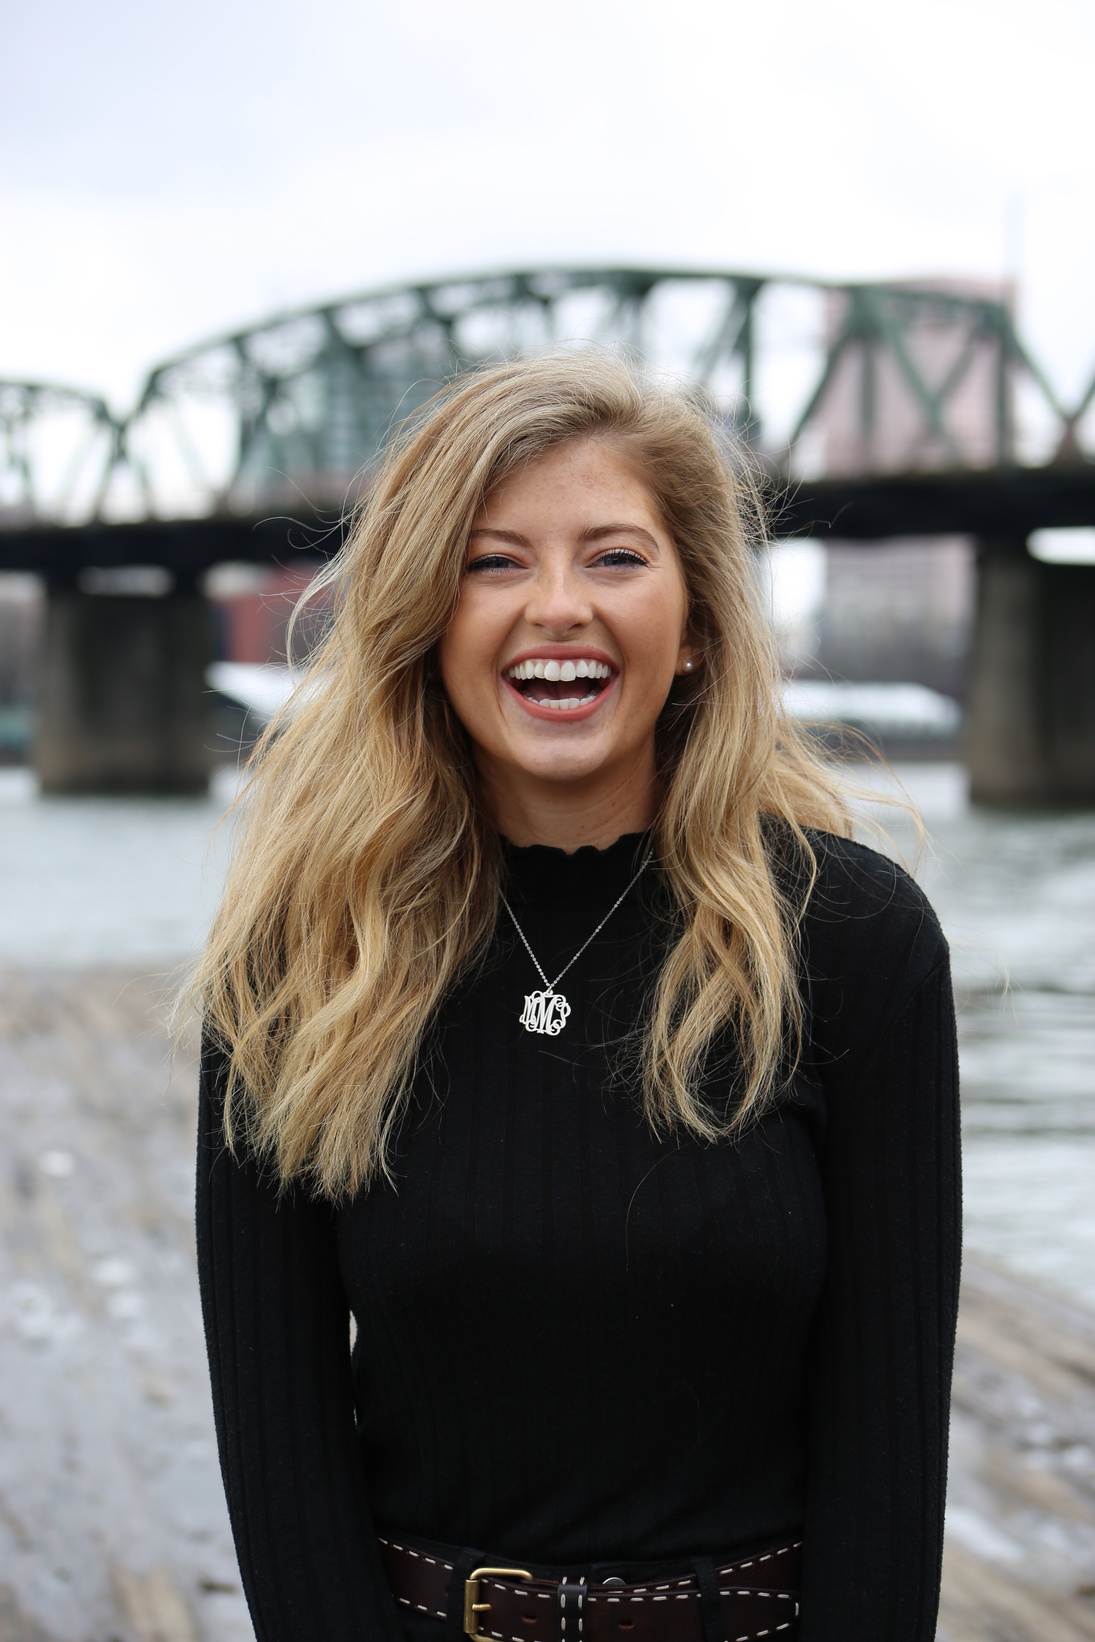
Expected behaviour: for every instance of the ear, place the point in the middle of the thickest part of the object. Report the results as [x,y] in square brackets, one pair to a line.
[688,659]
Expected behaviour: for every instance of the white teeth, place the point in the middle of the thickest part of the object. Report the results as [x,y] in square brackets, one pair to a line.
[565,672]
[566,703]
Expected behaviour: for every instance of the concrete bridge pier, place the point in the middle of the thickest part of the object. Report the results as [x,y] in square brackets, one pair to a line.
[1031,693]
[123,702]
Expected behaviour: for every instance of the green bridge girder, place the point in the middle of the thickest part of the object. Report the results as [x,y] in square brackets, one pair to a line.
[290,410]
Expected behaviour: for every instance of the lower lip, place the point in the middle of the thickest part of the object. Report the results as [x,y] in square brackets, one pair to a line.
[561,715]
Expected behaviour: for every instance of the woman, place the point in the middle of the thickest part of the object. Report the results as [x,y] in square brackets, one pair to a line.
[556,1032]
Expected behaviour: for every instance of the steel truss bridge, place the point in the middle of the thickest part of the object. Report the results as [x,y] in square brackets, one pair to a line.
[919,377]
[876,410]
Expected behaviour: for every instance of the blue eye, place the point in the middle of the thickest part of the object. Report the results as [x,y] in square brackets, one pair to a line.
[621,556]
[489,561]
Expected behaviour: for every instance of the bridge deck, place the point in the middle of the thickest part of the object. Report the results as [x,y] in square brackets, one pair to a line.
[1002,504]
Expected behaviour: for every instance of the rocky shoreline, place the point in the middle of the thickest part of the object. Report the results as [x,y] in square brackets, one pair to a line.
[1020,1551]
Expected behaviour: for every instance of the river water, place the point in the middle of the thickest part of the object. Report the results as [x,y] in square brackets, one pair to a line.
[87,882]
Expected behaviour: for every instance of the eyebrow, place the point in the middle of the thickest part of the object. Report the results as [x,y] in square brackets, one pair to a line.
[595,533]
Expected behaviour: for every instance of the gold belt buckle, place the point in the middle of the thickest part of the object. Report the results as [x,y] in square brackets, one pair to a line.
[472,1604]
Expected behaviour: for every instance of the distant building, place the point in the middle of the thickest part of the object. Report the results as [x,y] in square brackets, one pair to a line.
[252,605]
[21,611]
[902,611]
[899,612]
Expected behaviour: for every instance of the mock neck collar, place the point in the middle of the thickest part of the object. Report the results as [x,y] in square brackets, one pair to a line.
[540,869]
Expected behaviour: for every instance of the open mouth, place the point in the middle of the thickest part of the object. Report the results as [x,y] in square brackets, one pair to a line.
[560,685]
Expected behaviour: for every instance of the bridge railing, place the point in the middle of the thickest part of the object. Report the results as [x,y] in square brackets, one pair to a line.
[819,378]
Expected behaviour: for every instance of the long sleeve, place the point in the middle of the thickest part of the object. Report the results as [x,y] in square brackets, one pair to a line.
[277,1326]
[880,1363]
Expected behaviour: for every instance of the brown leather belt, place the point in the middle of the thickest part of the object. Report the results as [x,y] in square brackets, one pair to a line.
[757,1597]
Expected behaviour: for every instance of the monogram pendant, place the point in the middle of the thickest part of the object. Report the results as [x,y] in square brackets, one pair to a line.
[545,1012]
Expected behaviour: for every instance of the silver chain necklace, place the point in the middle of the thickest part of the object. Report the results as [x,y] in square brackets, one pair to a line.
[547,1012]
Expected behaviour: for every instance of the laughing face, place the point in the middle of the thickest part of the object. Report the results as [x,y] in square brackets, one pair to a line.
[571,625]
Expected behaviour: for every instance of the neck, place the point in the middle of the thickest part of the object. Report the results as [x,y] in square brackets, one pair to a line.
[529,811]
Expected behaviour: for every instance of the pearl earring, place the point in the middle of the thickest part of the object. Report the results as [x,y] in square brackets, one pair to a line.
[688,666]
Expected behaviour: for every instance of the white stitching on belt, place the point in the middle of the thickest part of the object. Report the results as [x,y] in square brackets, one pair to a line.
[506,1590]
[680,1596]
[406,1550]
[794,1545]
[437,1613]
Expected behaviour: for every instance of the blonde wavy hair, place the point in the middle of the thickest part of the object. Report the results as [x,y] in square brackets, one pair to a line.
[365,876]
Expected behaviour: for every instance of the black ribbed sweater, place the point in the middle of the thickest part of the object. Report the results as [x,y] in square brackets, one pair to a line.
[579,1341]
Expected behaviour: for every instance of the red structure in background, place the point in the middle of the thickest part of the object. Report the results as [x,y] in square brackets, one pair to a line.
[253,604]
[901,611]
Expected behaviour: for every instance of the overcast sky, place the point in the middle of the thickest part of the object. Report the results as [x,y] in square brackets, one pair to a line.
[167,171]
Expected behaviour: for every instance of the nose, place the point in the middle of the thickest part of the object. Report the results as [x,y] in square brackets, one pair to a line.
[558,602]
